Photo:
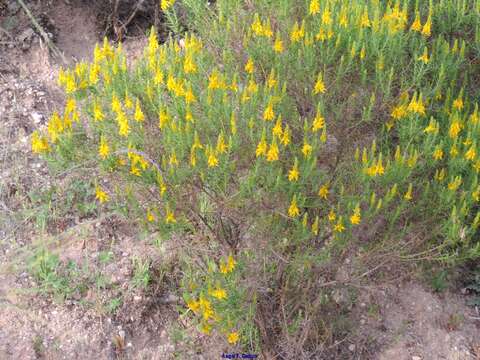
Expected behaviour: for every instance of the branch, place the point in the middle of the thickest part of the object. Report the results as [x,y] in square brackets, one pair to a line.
[42,32]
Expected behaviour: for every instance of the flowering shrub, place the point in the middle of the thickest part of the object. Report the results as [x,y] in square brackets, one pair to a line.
[230,132]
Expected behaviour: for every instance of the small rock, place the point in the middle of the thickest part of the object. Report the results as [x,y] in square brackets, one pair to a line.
[414,357]
[351,347]
[37,117]
[137,298]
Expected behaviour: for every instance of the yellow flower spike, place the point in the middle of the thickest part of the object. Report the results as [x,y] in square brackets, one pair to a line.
[323,191]
[332,216]
[169,216]
[293,173]
[262,145]
[343,20]
[305,220]
[416,25]
[424,58]
[314,7]
[285,139]
[273,152]
[315,226]
[474,117]
[278,44]
[103,149]
[101,195]
[221,146]
[116,105]
[339,227]
[269,114]
[319,87]
[231,263]
[298,32]
[249,66]
[455,184]
[257,26]
[163,118]
[408,195]
[326,16]
[318,122]
[138,116]
[427,28]
[277,129]
[39,143]
[212,160]
[189,65]
[455,128]
[364,156]
[364,20]
[471,153]
[438,153]
[458,103]
[166,4]
[306,149]
[323,137]
[233,337]
[293,210]
[219,293]
[356,216]
[193,305]
[149,216]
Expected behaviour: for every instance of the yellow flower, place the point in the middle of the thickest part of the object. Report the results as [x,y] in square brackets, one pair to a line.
[438,154]
[339,226]
[426,30]
[193,305]
[319,87]
[278,44]
[219,293]
[455,184]
[455,128]
[169,216]
[458,103]
[189,65]
[315,226]
[277,129]
[318,122]
[298,32]
[233,337]
[272,154]
[293,210]
[262,146]
[249,66]
[138,116]
[293,174]
[314,7]
[355,219]
[221,146]
[399,112]
[364,20]
[471,153]
[166,4]
[269,114]
[103,149]
[306,149]
[326,17]
[39,143]
[416,25]
[212,159]
[101,195]
[286,136]
[408,194]
[332,216]
[323,191]
[150,217]
[424,56]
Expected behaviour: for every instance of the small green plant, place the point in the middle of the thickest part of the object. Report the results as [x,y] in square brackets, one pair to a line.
[439,280]
[141,273]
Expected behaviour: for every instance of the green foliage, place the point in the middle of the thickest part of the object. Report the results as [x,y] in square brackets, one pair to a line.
[286,131]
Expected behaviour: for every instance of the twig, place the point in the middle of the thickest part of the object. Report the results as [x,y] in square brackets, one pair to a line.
[42,32]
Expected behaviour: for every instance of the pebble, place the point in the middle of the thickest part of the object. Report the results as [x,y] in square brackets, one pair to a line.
[351,347]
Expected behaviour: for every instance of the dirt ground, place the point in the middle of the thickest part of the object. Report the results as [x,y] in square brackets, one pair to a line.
[407,321]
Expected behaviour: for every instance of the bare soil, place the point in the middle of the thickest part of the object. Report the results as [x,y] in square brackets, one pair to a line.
[406,321]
